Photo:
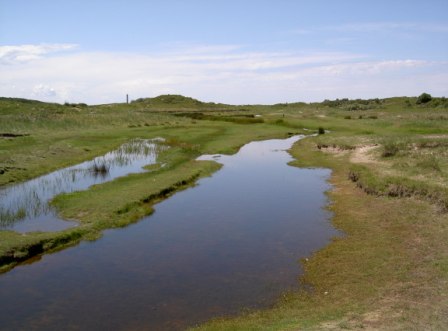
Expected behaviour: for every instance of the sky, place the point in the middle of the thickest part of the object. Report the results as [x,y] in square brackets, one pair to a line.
[236,52]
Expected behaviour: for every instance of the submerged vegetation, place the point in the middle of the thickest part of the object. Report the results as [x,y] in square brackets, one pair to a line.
[100,168]
[390,174]
[8,217]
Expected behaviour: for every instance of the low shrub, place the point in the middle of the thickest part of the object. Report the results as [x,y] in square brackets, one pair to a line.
[390,148]
[424,98]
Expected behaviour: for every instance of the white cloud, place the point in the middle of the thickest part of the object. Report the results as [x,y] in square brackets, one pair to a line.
[42,90]
[25,53]
[218,73]
[371,68]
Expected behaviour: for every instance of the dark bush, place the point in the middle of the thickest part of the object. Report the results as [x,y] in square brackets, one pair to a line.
[424,98]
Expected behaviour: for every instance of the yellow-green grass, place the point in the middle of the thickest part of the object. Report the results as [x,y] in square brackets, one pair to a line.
[389,270]
[126,199]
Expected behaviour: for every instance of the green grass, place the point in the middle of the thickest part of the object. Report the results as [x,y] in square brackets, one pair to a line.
[380,275]
[389,271]
[57,136]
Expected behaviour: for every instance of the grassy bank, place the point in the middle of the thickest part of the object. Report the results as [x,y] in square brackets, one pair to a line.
[389,166]
[56,136]
[389,271]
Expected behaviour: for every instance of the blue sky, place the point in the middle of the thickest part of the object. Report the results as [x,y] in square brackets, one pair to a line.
[223,51]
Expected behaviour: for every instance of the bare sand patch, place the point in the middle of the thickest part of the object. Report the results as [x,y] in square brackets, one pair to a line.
[363,154]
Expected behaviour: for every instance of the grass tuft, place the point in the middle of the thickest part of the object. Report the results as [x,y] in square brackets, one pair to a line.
[100,168]
[390,148]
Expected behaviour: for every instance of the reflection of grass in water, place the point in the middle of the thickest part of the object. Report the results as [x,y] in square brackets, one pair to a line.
[141,147]
[30,204]
[32,199]
[126,155]
[100,168]
[136,149]
[7,217]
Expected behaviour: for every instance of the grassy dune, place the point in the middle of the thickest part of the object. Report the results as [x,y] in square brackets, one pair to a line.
[390,176]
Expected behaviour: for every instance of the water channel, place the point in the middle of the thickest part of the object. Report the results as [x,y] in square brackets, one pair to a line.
[25,207]
[232,242]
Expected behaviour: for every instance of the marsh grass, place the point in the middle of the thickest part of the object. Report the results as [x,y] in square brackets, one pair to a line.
[100,168]
[50,145]
[424,158]
[392,262]
[429,162]
[8,217]
[383,266]
[236,118]
[391,148]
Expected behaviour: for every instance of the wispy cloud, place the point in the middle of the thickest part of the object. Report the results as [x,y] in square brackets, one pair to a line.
[43,91]
[25,53]
[216,73]
[372,67]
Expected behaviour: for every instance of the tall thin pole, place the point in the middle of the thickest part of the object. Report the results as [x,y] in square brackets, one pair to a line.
[127,98]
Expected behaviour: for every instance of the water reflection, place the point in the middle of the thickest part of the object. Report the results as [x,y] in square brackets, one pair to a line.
[25,207]
[231,242]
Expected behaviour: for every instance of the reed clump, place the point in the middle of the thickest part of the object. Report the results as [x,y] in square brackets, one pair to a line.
[100,168]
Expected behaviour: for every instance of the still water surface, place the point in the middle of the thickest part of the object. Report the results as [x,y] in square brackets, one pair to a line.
[230,243]
[25,207]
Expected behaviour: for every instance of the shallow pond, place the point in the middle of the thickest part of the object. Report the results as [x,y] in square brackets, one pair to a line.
[232,242]
[25,207]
